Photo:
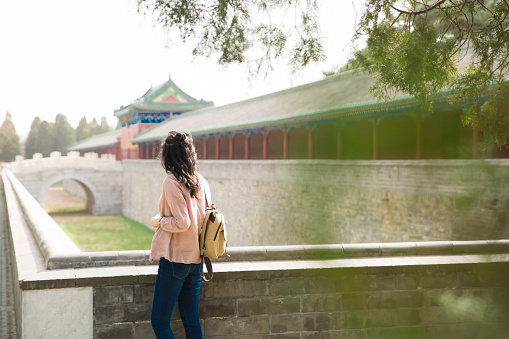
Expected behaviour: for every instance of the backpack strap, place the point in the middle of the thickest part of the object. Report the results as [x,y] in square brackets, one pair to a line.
[206,190]
[210,273]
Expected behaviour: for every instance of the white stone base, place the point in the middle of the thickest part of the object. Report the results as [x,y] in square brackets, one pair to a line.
[58,313]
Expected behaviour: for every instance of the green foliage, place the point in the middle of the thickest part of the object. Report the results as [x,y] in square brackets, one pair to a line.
[104,126]
[415,47]
[232,31]
[32,144]
[492,118]
[9,140]
[45,137]
[64,134]
[83,130]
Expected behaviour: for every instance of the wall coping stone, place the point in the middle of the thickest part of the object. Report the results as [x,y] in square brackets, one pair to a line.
[138,275]
[371,163]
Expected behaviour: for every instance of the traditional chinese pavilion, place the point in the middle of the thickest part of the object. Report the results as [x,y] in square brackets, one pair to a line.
[155,106]
[158,104]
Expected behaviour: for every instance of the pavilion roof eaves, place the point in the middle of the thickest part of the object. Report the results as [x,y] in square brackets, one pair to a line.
[102,140]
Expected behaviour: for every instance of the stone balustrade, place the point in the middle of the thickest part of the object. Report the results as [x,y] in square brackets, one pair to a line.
[57,161]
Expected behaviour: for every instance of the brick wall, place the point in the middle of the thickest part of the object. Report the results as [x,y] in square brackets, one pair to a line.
[317,202]
[450,300]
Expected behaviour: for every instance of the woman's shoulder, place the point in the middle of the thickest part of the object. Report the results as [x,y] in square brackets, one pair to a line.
[170,178]
[201,179]
[171,181]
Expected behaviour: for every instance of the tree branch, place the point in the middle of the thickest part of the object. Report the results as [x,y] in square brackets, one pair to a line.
[419,12]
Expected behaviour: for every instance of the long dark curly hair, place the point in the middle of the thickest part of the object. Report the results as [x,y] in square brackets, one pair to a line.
[178,157]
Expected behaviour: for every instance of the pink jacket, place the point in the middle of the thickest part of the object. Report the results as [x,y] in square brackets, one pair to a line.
[177,237]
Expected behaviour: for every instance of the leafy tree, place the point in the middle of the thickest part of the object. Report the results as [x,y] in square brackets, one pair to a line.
[94,127]
[104,125]
[64,134]
[230,31]
[412,46]
[83,130]
[32,144]
[9,140]
[415,47]
[45,138]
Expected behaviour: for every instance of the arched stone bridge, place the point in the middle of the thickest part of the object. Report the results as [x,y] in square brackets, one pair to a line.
[101,178]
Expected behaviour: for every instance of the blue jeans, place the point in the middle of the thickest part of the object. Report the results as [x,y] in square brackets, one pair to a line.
[176,282]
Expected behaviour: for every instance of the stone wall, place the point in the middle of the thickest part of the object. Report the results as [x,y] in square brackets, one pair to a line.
[419,290]
[313,202]
[74,188]
[461,300]
[398,298]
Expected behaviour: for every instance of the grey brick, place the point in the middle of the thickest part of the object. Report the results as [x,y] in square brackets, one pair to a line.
[291,286]
[407,281]
[286,323]
[228,327]
[394,299]
[317,321]
[398,333]
[143,330]
[349,320]
[217,308]
[321,303]
[379,318]
[268,305]
[236,288]
[407,316]
[143,293]
[322,285]
[138,312]
[114,331]
[113,295]
[352,301]
[109,314]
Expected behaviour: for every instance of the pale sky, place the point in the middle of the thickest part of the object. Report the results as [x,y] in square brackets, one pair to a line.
[89,57]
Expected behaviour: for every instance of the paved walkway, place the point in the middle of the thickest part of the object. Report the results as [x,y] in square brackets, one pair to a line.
[7,311]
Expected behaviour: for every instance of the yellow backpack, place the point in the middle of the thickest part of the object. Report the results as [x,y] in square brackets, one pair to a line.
[213,235]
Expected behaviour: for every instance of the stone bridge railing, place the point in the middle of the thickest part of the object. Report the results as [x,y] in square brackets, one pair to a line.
[99,178]
[71,161]
[377,290]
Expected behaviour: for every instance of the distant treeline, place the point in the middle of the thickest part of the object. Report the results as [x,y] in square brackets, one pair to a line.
[45,137]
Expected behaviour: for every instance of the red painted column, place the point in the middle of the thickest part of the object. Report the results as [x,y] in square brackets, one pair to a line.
[285,144]
[205,148]
[246,146]
[264,145]
[418,144]
[375,138]
[217,147]
[310,142]
[475,139]
[339,141]
[231,147]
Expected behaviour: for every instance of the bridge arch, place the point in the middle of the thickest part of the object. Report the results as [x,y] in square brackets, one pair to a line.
[93,198]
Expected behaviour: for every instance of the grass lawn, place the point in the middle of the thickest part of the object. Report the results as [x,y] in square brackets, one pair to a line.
[93,233]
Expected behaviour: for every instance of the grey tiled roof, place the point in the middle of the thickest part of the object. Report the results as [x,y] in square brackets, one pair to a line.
[98,141]
[345,89]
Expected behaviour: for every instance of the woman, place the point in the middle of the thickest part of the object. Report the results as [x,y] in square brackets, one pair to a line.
[175,243]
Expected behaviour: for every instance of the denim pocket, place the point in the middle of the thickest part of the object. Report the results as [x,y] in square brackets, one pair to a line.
[180,271]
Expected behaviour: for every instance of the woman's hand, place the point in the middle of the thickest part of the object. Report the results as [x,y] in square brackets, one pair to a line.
[154,221]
